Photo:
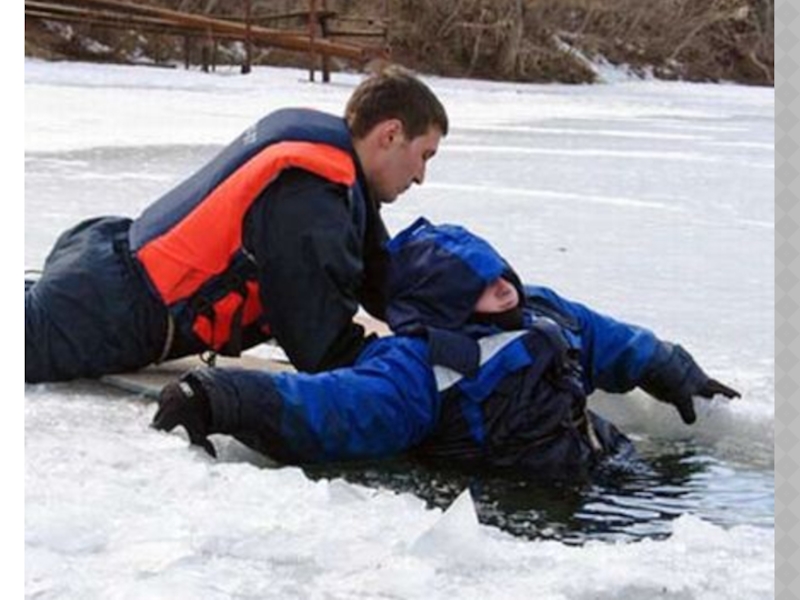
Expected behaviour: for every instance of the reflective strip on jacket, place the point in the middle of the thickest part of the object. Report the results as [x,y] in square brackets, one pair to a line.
[395,398]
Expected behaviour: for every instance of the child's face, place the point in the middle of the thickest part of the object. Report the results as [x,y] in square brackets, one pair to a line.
[499,296]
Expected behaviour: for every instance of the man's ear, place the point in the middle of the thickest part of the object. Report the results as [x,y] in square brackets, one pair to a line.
[387,132]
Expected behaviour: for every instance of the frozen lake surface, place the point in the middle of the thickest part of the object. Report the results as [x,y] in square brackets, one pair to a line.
[651,201]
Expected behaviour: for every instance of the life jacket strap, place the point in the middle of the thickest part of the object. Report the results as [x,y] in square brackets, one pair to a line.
[170,338]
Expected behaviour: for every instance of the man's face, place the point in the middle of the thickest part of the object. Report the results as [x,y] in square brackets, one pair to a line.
[401,161]
[498,297]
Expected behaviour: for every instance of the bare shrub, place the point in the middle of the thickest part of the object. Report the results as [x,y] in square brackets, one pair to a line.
[544,40]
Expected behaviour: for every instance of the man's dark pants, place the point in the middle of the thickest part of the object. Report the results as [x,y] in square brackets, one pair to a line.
[91,313]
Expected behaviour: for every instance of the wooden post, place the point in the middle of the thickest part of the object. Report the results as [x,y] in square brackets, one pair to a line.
[205,52]
[312,31]
[187,51]
[214,51]
[326,59]
[208,50]
[248,42]
[157,48]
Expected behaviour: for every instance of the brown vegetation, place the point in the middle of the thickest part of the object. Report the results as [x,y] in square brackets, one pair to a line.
[549,40]
[520,40]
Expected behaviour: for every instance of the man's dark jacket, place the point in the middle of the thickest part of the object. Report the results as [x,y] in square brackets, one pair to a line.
[275,237]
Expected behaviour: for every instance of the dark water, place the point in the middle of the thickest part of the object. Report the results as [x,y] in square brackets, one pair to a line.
[636,501]
[672,478]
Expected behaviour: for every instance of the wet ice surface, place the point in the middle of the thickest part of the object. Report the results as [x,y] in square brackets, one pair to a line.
[649,201]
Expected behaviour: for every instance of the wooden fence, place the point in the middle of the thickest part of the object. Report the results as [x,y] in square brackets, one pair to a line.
[317,39]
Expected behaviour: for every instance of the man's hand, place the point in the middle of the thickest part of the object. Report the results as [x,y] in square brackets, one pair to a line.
[676,378]
[714,387]
[181,403]
[709,389]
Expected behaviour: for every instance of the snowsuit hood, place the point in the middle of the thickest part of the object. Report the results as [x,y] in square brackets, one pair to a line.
[436,275]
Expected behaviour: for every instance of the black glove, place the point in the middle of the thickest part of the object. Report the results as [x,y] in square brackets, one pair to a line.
[714,387]
[185,403]
[709,389]
[676,378]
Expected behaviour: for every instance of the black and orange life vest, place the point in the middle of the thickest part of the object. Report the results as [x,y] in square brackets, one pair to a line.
[190,242]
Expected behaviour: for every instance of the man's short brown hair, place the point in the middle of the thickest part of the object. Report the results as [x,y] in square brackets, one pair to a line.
[394,93]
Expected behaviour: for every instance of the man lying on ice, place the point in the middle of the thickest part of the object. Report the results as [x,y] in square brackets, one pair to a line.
[483,372]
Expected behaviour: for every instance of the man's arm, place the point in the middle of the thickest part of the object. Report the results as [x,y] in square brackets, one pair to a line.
[310,269]
[380,407]
[614,354]
[376,260]
[618,356]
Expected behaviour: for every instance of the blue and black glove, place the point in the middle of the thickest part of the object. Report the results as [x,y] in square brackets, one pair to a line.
[675,378]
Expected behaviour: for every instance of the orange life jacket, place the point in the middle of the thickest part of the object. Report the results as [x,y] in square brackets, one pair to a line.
[199,264]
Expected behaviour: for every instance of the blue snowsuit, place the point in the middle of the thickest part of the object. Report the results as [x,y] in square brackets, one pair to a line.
[448,388]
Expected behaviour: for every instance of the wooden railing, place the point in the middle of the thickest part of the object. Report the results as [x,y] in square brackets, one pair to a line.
[317,39]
